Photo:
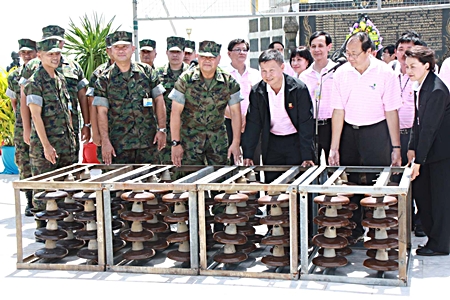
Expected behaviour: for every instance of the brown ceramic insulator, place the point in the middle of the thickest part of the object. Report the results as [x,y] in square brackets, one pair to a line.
[381,244]
[379,223]
[330,262]
[70,226]
[53,195]
[246,230]
[275,240]
[115,207]
[389,214]
[350,206]
[159,192]
[87,253]
[379,265]
[117,224]
[392,253]
[71,207]
[275,199]
[342,231]
[54,253]
[339,252]
[85,216]
[177,217]
[136,216]
[156,227]
[176,197]
[253,221]
[248,210]
[118,244]
[178,237]
[331,200]
[346,213]
[155,208]
[209,202]
[145,253]
[393,234]
[225,238]
[231,198]
[378,201]
[179,256]
[71,191]
[275,261]
[334,243]
[58,214]
[52,235]
[141,236]
[255,238]
[351,225]
[250,194]
[232,258]
[247,248]
[137,196]
[159,244]
[275,220]
[86,235]
[331,221]
[230,218]
[83,196]
[71,244]
[209,220]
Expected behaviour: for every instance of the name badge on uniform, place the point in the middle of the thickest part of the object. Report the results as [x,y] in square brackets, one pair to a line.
[147,102]
[69,106]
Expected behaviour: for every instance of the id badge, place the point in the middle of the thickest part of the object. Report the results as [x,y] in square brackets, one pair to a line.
[147,102]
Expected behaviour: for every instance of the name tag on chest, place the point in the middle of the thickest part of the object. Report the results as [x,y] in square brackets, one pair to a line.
[147,102]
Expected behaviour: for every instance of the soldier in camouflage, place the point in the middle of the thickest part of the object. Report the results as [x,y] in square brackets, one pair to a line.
[128,95]
[189,51]
[200,97]
[147,52]
[27,51]
[168,75]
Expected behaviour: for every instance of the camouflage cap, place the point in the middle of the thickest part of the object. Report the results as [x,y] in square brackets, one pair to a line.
[108,40]
[148,45]
[53,32]
[49,45]
[27,44]
[209,48]
[189,46]
[121,38]
[175,43]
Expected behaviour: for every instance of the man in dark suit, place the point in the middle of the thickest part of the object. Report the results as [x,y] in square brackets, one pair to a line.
[429,146]
[281,111]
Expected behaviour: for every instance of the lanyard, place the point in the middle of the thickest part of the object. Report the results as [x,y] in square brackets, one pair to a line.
[404,87]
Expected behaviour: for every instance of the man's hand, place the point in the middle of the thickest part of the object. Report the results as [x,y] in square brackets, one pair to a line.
[248,162]
[26,135]
[411,156]
[333,158]
[415,171]
[236,151]
[96,139]
[177,155]
[307,163]
[107,152]
[396,158]
[160,138]
[85,134]
[244,121]
[50,153]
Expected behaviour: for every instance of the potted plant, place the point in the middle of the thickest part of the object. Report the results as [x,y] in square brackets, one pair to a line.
[7,120]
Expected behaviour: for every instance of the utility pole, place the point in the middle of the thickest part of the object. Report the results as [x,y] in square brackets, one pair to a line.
[135,31]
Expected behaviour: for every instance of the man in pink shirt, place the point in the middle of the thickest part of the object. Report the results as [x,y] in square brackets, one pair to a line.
[280,112]
[287,66]
[365,125]
[320,86]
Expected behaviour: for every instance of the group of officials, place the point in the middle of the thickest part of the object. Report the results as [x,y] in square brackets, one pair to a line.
[192,112]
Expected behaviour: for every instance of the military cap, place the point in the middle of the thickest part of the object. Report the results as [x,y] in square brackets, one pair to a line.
[189,46]
[49,45]
[148,45]
[53,32]
[27,44]
[175,43]
[209,48]
[108,40]
[121,38]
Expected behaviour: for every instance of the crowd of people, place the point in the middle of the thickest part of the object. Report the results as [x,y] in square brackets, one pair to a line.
[362,111]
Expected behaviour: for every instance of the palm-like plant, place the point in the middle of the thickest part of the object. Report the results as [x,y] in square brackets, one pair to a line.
[87,42]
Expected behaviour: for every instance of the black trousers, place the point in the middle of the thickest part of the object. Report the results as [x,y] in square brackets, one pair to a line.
[323,138]
[431,190]
[256,155]
[364,146]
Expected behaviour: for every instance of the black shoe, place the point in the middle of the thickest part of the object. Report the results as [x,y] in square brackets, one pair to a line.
[28,212]
[418,232]
[428,252]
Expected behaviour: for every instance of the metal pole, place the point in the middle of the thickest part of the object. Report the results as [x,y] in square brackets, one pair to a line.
[135,31]
[379,4]
[254,6]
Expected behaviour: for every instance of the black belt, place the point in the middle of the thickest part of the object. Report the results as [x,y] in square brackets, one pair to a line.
[323,122]
[363,126]
[405,131]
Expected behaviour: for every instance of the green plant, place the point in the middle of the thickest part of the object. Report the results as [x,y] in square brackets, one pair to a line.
[7,117]
[87,42]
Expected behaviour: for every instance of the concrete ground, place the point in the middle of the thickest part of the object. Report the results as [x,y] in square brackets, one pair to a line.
[429,276]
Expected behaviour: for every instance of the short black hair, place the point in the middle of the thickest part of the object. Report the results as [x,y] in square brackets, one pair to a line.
[423,54]
[390,49]
[304,52]
[363,37]
[316,34]
[271,54]
[272,45]
[410,36]
[237,41]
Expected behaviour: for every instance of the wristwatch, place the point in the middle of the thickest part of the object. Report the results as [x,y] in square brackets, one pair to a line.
[176,143]
[162,130]
[88,125]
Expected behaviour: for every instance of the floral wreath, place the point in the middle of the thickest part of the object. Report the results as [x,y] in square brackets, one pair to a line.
[365,25]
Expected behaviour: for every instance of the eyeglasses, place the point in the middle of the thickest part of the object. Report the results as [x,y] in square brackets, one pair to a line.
[239,50]
[354,56]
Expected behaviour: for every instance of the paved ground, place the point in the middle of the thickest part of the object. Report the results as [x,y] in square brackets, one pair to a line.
[429,276]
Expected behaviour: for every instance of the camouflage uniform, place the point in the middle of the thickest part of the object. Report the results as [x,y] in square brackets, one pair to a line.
[131,125]
[203,133]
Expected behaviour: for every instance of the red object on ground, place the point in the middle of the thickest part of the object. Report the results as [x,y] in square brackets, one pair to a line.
[90,153]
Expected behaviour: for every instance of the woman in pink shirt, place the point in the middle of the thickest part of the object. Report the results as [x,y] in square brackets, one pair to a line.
[300,60]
